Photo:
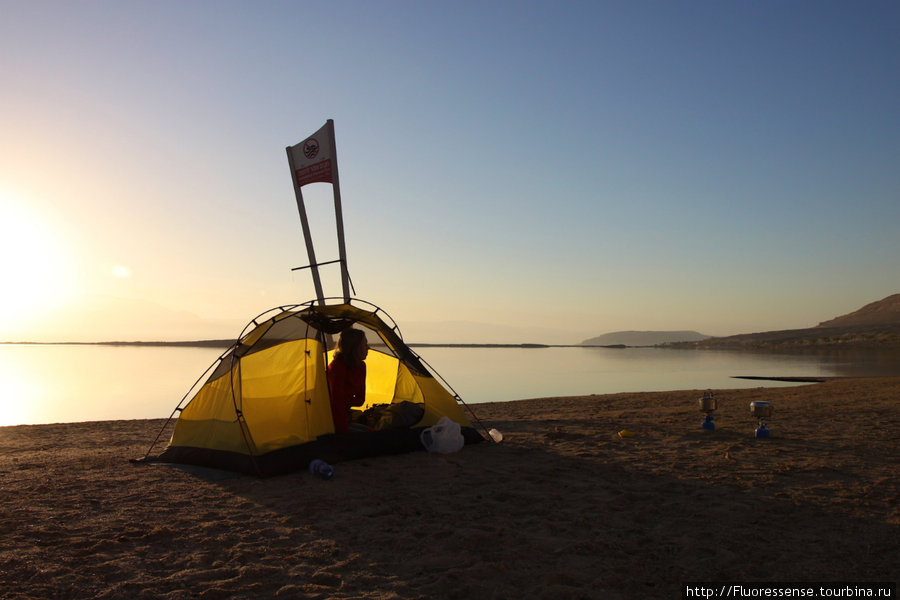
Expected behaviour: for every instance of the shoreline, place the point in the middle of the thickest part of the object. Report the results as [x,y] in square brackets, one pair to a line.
[228,343]
[823,348]
[798,380]
[563,508]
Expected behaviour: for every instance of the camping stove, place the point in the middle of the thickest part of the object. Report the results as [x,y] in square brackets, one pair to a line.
[708,405]
[762,411]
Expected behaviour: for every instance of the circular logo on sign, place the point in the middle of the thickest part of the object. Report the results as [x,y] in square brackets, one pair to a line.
[311,148]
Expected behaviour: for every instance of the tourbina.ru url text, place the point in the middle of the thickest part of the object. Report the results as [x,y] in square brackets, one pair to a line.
[806,589]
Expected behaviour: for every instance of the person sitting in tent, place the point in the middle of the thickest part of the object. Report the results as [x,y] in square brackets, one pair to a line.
[347,377]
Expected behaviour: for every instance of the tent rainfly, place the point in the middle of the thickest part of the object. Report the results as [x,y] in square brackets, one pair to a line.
[265,410]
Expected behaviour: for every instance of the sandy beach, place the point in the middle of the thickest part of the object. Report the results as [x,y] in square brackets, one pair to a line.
[562,508]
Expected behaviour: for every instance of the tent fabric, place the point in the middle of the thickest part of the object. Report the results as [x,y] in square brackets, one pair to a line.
[265,408]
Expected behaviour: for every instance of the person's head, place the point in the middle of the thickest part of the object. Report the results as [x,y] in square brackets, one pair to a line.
[352,346]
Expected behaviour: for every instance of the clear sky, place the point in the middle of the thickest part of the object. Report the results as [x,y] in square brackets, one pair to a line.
[552,170]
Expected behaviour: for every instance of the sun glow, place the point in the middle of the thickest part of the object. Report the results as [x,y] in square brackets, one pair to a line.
[34,266]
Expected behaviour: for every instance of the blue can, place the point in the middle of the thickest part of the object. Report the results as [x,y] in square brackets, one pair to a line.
[321,469]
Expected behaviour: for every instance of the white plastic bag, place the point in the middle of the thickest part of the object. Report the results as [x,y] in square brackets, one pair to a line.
[444,437]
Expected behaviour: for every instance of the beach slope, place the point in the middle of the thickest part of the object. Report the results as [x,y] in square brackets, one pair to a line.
[563,508]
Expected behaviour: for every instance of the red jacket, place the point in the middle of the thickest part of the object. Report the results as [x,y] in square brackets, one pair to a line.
[347,388]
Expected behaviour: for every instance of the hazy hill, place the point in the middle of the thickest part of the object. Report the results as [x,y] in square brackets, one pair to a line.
[883,312]
[875,325]
[643,338]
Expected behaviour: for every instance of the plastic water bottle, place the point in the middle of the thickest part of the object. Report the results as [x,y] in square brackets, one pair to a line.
[321,469]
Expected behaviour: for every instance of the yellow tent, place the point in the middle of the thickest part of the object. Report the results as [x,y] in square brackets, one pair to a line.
[265,407]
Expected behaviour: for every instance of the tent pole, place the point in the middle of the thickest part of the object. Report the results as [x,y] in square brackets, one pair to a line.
[307,235]
[339,216]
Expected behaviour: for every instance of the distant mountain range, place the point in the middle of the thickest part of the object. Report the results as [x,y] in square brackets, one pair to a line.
[875,325]
[643,338]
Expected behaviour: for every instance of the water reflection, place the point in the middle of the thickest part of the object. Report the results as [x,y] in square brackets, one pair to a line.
[499,374]
[49,384]
[64,384]
[852,362]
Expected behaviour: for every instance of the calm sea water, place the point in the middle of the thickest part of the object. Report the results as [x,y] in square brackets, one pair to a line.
[59,384]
